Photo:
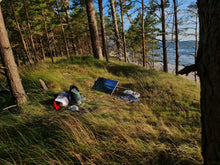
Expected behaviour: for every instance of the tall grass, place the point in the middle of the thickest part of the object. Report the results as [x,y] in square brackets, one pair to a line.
[163,128]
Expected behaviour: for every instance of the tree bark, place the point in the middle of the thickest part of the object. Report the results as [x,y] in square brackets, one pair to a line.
[117,38]
[94,35]
[123,32]
[143,36]
[177,36]
[208,62]
[8,61]
[165,68]
[104,42]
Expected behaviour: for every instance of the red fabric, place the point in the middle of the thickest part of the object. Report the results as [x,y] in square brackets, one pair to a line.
[55,105]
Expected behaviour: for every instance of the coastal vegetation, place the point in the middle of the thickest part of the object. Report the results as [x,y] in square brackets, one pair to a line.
[162,128]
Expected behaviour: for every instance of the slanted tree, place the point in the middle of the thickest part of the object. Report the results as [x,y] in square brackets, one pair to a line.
[176,36]
[116,31]
[30,32]
[143,35]
[165,67]
[97,52]
[63,33]
[11,69]
[123,31]
[104,42]
[21,35]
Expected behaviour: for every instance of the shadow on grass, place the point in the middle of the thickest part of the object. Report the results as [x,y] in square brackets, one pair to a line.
[83,60]
[129,70]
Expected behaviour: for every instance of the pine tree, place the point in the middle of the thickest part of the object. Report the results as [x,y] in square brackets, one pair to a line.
[8,61]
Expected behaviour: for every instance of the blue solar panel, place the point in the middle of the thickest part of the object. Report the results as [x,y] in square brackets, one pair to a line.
[105,85]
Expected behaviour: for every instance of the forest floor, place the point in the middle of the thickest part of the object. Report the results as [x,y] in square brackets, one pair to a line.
[162,128]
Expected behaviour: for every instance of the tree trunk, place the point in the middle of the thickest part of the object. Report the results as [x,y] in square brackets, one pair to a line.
[165,68]
[123,31]
[42,49]
[97,52]
[208,63]
[196,43]
[20,33]
[64,36]
[55,52]
[11,70]
[30,33]
[66,7]
[117,38]
[47,36]
[143,35]
[177,36]
[104,42]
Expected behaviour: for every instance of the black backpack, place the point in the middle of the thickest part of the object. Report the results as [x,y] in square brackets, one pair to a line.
[75,97]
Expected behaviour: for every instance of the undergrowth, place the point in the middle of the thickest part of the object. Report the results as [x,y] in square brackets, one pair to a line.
[163,128]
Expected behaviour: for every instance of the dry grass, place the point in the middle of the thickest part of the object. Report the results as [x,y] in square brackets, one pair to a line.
[163,128]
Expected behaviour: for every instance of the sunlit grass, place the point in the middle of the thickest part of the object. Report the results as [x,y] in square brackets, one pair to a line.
[163,128]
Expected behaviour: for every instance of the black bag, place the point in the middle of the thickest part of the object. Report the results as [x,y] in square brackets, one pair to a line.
[75,96]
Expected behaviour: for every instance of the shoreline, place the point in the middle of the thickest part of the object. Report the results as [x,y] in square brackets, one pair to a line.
[171,69]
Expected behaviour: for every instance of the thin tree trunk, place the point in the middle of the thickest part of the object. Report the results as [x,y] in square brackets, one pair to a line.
[177,36]
[143,35]
[30,33]
[94,35]
[74,46]
[165,68]
[104,42]
[64,36]
[8,61]
[47,36]
[66,7]
[123,32]
[20,33]
[54,46]
[153,44]
[117,38]
[42,49]
[208,63]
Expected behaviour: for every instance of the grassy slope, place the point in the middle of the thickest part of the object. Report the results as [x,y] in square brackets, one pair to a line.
[163,128]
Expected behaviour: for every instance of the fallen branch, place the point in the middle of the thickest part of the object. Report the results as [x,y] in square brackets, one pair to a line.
[188,69]
[12,106]
[43,84]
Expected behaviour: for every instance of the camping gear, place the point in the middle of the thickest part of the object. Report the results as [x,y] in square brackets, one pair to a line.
[129,98]
[73,108]
[105,85]
[61,100]
[75,97]
[132,93]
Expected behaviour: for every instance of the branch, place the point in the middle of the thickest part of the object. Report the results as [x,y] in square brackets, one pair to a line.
[188,69]
[12,106]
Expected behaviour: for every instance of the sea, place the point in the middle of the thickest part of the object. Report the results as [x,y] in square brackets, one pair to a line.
[186,52]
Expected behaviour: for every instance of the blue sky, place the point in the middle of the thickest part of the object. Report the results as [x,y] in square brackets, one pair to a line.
[181,14]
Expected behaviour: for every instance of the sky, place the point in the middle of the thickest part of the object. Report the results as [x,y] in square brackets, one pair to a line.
[186,28]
